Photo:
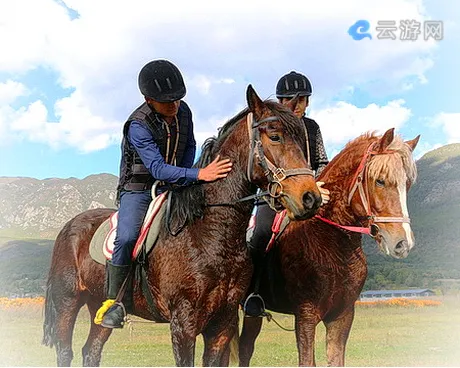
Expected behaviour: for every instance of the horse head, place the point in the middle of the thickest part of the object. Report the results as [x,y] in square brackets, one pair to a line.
[379,189]
[277,162]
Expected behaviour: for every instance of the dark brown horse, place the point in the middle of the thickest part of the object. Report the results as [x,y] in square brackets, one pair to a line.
[317,270]
[198,277]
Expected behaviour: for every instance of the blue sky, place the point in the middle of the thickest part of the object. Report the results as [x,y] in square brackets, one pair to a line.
[68,72]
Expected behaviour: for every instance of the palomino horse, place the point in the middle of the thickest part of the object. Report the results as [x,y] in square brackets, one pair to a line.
[318,269]
[197,278]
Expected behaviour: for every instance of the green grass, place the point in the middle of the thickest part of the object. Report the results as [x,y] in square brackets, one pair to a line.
[391,336]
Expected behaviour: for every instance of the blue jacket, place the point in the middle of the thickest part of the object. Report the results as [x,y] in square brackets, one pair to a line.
[141,138]
[144,148]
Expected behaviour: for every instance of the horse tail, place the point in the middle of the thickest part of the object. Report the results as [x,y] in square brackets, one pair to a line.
[234,349]
[235,344]
[49,325]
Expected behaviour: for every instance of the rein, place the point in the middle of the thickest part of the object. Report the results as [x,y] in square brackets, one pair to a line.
[359,178]
[274,174]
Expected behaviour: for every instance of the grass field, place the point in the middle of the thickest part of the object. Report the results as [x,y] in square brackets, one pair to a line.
[381,336]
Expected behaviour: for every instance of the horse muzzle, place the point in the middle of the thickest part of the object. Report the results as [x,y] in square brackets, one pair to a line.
[304,210]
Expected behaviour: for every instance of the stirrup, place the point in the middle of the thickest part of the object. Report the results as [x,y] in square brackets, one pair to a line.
[253,297]
[113,308]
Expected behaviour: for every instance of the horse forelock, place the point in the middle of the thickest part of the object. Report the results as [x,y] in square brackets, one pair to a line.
[292,124]
[396,167]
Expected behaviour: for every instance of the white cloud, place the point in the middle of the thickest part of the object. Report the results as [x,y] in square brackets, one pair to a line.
[11,90]
[77,127]
[450,123]
[343,121]
[220,47]
[203,83]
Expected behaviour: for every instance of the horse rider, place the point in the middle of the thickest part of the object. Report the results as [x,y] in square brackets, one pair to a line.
[288,86]
[158,144]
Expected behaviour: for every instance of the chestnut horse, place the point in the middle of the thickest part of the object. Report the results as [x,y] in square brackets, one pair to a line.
[198,277]
[317,269]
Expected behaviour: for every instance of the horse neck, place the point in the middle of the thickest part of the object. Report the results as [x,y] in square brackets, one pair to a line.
[338,175]
[236,185]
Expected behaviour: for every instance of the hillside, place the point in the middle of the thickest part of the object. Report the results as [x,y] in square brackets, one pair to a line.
[434,208]
[24,267]
[37,209]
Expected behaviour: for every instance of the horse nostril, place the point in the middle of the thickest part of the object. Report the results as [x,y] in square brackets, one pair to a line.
[308,200]
[401,246]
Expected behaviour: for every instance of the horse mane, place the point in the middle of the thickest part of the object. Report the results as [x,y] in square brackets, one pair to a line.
[188,202]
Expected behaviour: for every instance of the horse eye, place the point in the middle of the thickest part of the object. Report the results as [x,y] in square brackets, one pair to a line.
[380,183]
[275,138]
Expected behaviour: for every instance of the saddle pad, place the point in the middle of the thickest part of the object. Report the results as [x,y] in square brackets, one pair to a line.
[102,243]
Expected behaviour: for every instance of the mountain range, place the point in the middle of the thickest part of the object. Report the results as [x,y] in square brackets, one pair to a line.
[33,211]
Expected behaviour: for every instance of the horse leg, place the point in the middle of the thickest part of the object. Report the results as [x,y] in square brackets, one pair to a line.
[66,315]
[305,328]
[217,336]
[62,304]
[251,329]
[337,332]
[183,334]
[98,336]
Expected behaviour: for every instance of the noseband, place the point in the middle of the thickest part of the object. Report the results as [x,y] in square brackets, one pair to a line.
[359,178]
[274,174]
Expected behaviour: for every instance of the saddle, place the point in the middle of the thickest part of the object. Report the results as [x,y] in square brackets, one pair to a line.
[102,243]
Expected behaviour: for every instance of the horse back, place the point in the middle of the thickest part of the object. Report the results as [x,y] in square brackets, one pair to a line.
[71,260]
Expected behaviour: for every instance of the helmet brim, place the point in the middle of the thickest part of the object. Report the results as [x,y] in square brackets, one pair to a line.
[169,97]
[300,94]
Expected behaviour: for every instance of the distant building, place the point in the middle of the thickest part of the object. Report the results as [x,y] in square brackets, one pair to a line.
[388,294]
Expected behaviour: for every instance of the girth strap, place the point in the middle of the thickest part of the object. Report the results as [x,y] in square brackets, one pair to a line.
[142,277]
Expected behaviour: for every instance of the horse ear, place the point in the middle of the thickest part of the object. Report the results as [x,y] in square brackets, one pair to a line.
[413,143]
[386,140]
[255,104]
[292,104]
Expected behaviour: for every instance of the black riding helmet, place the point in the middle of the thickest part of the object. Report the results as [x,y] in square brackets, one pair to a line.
[291,84]
[162,81]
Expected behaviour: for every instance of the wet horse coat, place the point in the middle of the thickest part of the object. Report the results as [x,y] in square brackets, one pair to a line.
[198,277]
[317,270]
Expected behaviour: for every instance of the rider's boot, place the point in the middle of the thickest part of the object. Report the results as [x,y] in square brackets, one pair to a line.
[112,314]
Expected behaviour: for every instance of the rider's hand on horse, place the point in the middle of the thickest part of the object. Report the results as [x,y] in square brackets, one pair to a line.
[324,192]
[217,169]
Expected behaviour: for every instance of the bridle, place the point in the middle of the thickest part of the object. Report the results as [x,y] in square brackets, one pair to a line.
[359,178]
[274,174]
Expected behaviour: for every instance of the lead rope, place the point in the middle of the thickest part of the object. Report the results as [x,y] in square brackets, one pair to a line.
[270,318]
